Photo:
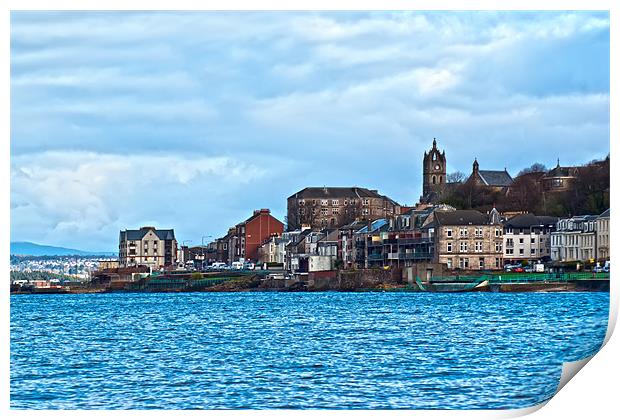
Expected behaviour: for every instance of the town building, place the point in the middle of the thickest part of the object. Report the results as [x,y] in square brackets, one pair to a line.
[528,237]
[433,174]
[332,207]
[154,248]
[346,243]
[560,178]
[250,234]
[466,239]
[496,180]
[574,239]
[273,251]
[602,236]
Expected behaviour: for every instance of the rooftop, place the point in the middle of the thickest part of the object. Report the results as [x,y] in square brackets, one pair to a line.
[338,192]
[460,217]
[138,234]
[496,178]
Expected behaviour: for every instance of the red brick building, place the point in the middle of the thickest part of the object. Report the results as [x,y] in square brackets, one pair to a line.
[253,232]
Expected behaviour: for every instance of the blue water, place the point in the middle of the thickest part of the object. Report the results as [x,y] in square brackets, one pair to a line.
[297,350]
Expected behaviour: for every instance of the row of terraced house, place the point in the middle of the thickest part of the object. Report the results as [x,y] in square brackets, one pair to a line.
[390,235]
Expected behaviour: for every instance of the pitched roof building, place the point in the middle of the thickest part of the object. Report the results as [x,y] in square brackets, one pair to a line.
[466,239]
[322,207]
[495,179]
[155,248]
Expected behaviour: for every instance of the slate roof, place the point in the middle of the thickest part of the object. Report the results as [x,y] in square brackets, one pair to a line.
[138,234]
[375,225]
[460,217]
[561,171]
[605,213]
[523,221]
[496,178]
[338,192]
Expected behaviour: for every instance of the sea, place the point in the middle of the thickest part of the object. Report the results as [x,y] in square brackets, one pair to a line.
[308,350]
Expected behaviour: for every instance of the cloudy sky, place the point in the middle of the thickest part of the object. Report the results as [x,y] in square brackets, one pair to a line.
[192,120]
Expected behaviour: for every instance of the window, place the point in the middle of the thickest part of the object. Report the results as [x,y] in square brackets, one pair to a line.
[323,211]
[449,247]
[478,232]
[464,262]
[323,202]
[508,230]
[520,240]
[498,247]
[481,263]
[463,246]
[335,203]
[498,232]
[521,251]
[449,233]
[365,202]
[365,212]
[510,242]
[449,262]
[497,262]
[302,202]
[478,246]
[509,251]
[533,251]
[336,210]
[463,232]
[532,240]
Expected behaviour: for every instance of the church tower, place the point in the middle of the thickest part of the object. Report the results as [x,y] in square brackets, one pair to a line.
[434,172]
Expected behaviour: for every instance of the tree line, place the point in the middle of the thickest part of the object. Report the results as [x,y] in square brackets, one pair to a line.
[588,195]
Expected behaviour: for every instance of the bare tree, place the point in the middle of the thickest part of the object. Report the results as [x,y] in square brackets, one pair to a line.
[536,167]
[456,177]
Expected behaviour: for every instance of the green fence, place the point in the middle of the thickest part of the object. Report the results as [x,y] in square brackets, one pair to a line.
[521,277]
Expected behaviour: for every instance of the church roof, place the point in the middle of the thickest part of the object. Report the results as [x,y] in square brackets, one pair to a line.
[496,178]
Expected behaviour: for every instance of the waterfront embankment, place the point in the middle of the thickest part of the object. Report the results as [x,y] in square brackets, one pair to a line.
[393,280]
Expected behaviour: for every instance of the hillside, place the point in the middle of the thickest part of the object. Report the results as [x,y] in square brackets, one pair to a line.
[30,248]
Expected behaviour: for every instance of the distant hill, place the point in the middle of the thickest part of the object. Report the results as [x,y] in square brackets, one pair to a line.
[37,250]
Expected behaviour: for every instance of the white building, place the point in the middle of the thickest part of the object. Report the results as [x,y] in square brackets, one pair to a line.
[602,236]
[574,239]
[528,237]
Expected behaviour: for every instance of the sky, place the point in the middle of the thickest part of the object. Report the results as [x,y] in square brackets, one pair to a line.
[191,120]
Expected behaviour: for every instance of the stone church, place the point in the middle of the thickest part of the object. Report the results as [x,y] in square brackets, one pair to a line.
[433,174]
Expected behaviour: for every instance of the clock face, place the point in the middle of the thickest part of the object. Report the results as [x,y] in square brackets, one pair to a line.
[437,167]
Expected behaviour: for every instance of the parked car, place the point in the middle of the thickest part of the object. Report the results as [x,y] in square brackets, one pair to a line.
[513,267]
[249,266]
[217,266]
[237,265]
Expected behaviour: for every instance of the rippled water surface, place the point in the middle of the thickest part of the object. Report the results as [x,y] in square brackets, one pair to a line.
[297,350]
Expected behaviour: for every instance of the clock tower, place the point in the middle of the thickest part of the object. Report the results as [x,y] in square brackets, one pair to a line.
[434,172]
